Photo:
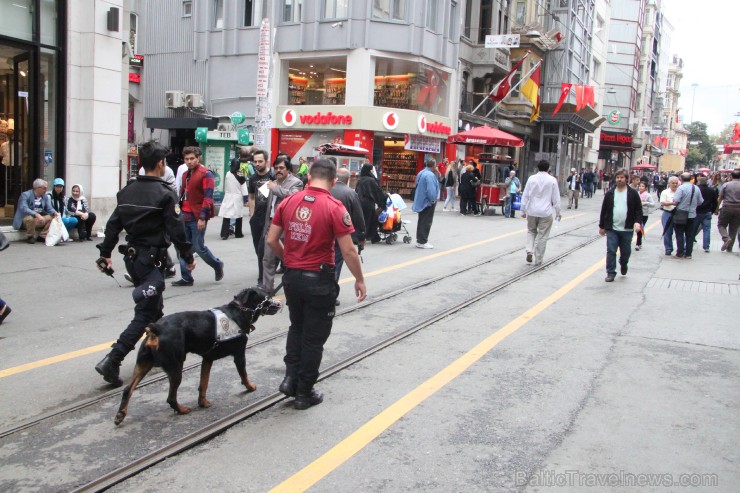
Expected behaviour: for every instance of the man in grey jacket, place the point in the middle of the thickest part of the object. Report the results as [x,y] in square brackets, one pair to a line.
[351,201]
[285,184]
[688,198]
[34,211]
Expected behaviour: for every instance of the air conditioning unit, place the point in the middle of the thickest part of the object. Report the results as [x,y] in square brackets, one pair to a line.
[225,127]
[174,99]
[194,100]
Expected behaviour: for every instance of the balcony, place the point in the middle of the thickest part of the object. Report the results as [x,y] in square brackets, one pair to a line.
[469,100]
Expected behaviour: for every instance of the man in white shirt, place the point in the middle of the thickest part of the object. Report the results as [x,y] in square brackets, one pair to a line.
[541,196]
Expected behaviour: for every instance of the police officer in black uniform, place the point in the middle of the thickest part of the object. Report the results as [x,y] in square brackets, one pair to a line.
[311,219]
[149,212]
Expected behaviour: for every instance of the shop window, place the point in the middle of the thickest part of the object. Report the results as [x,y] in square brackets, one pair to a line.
[335,9]
[486,19]
[187,8]
[48,29]
[521,12]
[16,20]
[452,32]
[218,14]
[394,10]
[253,12]
[410,85]
[318,81]
[292,11]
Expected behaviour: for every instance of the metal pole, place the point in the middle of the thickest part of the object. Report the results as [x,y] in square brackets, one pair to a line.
[495,89]
[516,85]
[693,99]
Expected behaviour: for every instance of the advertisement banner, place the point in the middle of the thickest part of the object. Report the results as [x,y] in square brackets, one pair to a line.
[422,144]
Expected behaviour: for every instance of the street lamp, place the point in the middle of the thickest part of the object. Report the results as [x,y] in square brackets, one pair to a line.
[693,99]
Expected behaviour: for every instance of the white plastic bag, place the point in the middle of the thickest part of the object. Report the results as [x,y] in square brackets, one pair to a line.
[57,232]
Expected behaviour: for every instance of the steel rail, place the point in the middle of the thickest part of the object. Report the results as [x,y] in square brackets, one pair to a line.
[213,429]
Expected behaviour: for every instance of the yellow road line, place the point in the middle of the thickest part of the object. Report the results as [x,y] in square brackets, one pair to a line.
[344,450]
[101,347]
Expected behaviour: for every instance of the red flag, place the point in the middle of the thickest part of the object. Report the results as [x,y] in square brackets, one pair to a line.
[588,96]
[736,132]
[505,85]
[656,141]
[563,96]
[683,152]
[579,97]
[664,142]
[676,116]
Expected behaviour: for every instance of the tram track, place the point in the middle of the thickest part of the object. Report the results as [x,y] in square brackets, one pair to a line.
[219,426]
[116,393]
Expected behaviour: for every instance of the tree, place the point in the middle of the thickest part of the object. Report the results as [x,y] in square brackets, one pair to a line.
[725,136]
[702,151]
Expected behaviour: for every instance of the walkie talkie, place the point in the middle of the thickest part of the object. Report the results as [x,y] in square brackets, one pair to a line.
[108,271]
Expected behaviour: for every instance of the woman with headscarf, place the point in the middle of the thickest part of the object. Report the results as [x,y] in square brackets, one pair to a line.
[78,207]
[371,196]
[235,196]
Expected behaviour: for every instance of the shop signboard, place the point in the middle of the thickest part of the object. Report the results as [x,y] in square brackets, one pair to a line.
[615,140]
[216,159]
[502,41]
[263,59]
[422,143]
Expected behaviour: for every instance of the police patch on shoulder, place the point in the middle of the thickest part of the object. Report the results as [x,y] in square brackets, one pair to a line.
[346,219]
[177,209]
[309,198]
[303,213]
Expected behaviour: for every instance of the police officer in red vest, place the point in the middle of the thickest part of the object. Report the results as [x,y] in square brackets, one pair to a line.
[311,219]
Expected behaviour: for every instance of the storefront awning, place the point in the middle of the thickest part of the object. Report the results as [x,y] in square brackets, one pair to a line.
[567,114]
[732,148]
[182,123]
[486,136]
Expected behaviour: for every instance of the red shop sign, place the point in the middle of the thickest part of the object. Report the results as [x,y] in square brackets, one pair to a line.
[134,78]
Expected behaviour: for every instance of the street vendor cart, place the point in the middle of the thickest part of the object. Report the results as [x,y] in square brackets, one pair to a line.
[491,191]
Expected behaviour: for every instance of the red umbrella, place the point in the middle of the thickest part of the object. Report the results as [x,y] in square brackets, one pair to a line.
[643,166]
[704,170]
[486,136]
[726,170]
[730,148]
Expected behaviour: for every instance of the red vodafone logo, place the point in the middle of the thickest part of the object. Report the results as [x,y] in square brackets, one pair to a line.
[289,118]
[390,120]
[421,123]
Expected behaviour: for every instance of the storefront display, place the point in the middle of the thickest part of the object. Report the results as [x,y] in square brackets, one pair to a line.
[297,90]
[392,91]
[334,90]
[399,170]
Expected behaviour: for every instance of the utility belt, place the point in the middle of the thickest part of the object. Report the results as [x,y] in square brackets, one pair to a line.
[326,272]
[157,256]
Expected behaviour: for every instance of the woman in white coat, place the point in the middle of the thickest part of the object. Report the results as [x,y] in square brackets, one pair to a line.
[232,207]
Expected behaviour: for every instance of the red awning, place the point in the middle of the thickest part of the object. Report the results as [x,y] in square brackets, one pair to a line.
[643,166]
[730,148]
[486,136]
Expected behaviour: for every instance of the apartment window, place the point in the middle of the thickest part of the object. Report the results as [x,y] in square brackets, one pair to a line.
[596,73]
[292,10]
[452,32]
[486,18]
[432,11]
[187,8]
[253,10]
[521,12]
[132,37]
[389,9]
[600,24]
[468,15]
[335,9]
[218,14]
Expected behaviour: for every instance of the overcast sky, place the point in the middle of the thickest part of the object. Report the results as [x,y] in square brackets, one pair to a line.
[705,36]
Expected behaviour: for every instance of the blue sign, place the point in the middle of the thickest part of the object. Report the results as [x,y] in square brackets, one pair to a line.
[48,157]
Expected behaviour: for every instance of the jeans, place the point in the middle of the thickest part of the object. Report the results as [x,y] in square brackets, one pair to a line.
[450,197]
[667,221]
[512,212]
[426,216]
[639,233]
[704,222]
[197,239]
[614,240]
[685,237]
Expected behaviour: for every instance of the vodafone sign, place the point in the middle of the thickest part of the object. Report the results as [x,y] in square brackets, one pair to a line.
[391,120]
[433,128]
[289,118]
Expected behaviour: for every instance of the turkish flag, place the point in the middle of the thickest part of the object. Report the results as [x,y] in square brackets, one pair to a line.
[505,85]
[664,142]
[579,97]
[656,141]
[588,96]
[736,132]
[563,96]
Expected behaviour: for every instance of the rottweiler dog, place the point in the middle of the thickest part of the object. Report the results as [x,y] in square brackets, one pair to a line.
[169,340]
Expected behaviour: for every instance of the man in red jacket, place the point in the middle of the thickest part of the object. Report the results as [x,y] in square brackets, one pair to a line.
[196,199]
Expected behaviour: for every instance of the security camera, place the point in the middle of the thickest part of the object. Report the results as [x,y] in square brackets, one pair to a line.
[337,24]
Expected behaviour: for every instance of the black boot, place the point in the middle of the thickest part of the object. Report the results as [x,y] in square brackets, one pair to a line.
[109,367]
[304,400]
[288,385]
[81,232]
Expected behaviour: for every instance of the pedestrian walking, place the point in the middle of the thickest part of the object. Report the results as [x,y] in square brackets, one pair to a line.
[196,198]
[648,205]
[314,220]
[372,197]
[450,183]
[574,188]
[705,211]
[232,205]
[666,205]
[351,201]
[729,215]
[149,212]
[621,214]
[540,199]
[687,199]
[425,201]
[258,204]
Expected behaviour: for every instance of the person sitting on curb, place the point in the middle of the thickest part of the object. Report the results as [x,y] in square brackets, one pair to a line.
[59,203]
[34,212]
[78,207]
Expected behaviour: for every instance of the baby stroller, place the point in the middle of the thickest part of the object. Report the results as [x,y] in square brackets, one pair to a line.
[389,220]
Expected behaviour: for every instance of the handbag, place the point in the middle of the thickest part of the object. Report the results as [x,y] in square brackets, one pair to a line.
[57,232]
[681,216]
[517,204]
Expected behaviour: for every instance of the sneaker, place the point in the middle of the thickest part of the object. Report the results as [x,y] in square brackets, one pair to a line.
[444,209]
[477,214]
[623,270]
[424,245]
[529,257]
[220,272]
[5,314]
[637,247]
[610,278]
[668,254]
[706,250]
[182,282]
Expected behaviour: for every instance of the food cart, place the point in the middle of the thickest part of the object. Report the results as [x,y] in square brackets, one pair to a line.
[491,191]
[350,157]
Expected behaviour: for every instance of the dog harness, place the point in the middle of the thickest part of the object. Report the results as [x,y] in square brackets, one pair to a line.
[225,329]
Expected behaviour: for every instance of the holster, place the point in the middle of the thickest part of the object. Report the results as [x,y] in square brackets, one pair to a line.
[327,272]
[157,256]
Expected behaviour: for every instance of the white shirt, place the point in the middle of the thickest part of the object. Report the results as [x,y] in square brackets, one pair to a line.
[181,170]
[169,177]
[541,195]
